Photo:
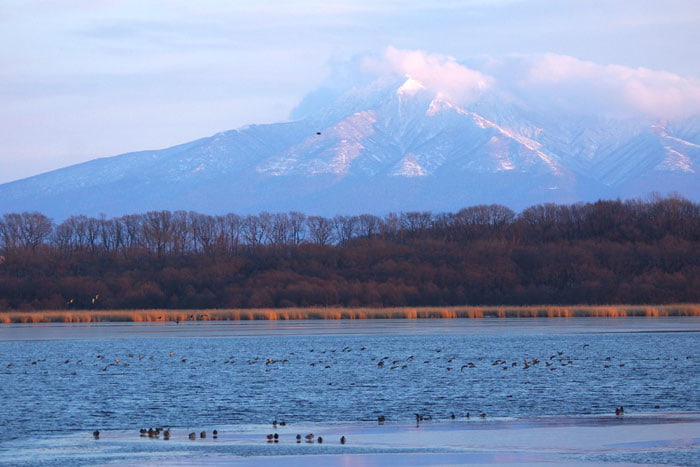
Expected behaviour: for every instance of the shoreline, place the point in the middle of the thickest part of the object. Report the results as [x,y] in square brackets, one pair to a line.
[346,327]
[291,314]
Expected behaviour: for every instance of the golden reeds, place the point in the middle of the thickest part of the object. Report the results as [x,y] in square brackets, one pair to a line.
[94,316]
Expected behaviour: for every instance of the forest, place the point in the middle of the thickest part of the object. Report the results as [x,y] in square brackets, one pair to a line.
[606,252]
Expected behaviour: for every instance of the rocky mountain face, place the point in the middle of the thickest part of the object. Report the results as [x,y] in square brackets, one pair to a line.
[395,147]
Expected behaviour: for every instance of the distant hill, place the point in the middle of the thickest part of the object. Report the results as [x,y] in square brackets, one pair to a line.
[394,147]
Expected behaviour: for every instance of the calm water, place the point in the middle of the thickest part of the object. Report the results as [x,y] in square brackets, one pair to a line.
[61,379]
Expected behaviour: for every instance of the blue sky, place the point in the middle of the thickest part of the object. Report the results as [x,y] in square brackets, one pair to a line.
[82,79]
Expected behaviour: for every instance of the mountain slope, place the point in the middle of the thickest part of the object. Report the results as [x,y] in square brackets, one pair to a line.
[393,147]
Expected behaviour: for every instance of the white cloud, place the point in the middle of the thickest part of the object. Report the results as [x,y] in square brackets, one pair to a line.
[550,82]
[613,89]
[438,73]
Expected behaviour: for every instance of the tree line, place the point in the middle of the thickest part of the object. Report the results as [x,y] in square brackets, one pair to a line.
[607,252]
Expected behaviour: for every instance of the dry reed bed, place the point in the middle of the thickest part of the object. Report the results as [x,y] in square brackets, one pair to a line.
[96,316]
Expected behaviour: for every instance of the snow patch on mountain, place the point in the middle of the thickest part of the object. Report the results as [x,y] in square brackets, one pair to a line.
[675,161]
[408,167]
[409,88]
[440,104]
[331,151]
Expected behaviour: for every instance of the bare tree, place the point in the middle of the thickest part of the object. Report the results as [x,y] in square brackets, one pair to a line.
[132,226]
[205,232]
[344,228]
[320,230]
[230,232]
[62,237]
[92,233]
[280,230]
[158,230]
[368,225]
[297,224]
[26,230]
[254,230]
[390,227]
[181,239]
[415,221]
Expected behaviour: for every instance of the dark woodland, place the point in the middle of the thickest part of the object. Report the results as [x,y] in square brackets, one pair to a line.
[607,252]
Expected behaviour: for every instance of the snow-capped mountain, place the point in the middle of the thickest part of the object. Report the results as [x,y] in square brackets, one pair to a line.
[392,146]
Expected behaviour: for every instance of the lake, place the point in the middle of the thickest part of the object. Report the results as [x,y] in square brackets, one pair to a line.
[61,381]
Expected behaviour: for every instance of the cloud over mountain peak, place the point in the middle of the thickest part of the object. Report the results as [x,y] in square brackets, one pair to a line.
[438,73]
[555,82]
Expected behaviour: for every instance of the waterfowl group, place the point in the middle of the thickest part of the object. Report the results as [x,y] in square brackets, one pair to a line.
[442,357]
[379,363]
[310,437]
[271,438]
[155,432]
[420,418]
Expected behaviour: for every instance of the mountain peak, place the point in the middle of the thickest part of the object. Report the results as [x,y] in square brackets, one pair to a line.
[394,145]
[410,87]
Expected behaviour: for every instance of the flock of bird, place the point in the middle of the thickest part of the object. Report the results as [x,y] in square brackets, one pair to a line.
[448,361]
[272,438]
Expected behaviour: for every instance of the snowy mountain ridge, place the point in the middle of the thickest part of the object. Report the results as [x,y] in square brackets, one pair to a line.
[395,146]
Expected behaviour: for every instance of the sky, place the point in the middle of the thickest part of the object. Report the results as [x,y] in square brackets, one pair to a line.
[81,79]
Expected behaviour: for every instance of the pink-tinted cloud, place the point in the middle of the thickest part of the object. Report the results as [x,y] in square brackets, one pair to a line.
[438,73]
[611,89]
[551,82]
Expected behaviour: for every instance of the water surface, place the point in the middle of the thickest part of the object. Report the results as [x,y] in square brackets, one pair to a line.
[60,381]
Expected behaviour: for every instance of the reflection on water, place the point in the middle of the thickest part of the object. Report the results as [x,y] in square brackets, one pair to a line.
[59,379]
